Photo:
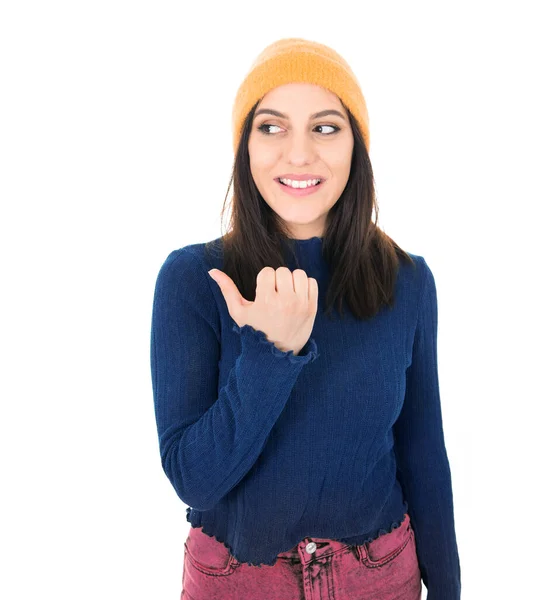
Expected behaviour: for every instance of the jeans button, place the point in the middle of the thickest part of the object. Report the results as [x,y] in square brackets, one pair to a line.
[311,547]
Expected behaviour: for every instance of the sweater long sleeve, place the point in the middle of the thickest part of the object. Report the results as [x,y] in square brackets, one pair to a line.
[422,463]
[211,435]
[341,441]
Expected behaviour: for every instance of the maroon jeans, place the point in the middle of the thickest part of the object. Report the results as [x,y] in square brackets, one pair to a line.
[314,569]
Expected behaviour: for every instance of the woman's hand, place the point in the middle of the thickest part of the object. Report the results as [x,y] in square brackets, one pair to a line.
[284,308]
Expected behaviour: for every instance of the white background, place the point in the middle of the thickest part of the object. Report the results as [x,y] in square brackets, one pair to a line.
[115,142]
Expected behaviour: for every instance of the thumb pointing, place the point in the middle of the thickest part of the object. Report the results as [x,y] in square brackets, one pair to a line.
[229,290]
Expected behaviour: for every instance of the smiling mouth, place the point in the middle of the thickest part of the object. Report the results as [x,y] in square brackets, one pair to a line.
[299,187]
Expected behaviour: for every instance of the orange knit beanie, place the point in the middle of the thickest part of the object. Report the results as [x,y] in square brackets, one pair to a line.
[292,60]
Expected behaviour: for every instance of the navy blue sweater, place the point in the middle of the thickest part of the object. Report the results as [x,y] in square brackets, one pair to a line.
[266,448]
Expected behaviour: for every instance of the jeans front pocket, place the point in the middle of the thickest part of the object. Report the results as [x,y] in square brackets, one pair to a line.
[388,546]
[206,554]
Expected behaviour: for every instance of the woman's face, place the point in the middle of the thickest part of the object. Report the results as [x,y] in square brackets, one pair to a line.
[295,143]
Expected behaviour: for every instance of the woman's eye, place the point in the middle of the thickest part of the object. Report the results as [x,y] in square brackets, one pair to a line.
[336,128]
[263,129]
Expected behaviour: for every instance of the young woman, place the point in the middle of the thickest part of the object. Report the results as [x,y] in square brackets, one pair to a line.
[306,441]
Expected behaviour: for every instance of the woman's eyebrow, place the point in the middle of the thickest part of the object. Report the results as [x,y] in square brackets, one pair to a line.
[322,113]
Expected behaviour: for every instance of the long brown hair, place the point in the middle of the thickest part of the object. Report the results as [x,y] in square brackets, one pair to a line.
[363,260]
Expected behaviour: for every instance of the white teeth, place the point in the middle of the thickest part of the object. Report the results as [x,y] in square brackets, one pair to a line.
[300,184]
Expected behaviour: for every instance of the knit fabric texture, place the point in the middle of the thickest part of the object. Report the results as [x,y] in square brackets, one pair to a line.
[266,448]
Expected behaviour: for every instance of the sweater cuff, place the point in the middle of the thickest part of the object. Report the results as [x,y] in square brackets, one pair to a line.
[308,353]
